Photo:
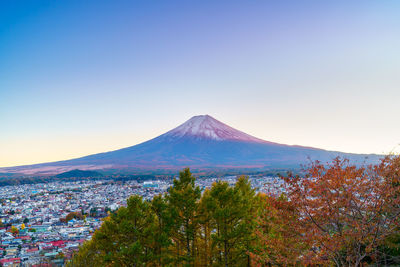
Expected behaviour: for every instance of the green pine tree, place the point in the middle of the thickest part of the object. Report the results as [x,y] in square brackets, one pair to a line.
[183,200]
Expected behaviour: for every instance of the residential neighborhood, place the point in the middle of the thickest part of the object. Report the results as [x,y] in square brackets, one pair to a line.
[43,224]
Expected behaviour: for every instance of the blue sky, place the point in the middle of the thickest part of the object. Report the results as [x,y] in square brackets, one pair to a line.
[80,77]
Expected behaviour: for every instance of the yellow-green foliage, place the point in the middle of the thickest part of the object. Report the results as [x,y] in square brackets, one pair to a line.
[180,228]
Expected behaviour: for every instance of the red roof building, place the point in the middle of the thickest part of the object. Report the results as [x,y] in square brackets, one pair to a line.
[10,262]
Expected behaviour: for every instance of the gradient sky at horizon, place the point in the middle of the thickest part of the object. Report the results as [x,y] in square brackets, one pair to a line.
[82,77]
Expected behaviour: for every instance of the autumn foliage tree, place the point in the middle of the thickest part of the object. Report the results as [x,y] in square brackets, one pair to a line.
[344,214]
[72,215]
[335,214]
[279,243]
[14,230]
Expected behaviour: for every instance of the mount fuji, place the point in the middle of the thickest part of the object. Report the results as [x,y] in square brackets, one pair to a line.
[202,142]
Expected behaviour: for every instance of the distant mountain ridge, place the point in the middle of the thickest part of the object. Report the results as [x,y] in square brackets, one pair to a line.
[78,174]
[202,142]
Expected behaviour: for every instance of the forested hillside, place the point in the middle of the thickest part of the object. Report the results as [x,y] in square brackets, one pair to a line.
[335,214]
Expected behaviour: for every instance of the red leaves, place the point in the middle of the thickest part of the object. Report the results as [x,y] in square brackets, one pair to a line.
[341,213]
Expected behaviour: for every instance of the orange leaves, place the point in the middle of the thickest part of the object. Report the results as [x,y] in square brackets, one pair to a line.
[279,240]
[339,213]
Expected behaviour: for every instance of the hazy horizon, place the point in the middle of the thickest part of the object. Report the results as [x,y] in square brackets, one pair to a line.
[78,78]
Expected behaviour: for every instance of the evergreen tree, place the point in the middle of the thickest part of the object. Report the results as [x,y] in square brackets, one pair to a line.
[204,242]
[233,219]
[124,239]
[162,234]
[250,205]
[181,228]
[183,200]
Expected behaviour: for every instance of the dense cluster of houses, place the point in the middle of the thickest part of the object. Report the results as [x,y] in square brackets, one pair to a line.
[43,224]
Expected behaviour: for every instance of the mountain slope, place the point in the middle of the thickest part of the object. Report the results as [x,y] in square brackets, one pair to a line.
[201,142]
[78,174]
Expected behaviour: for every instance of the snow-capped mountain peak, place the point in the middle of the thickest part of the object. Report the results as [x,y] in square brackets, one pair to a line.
[203,143]
[205,126]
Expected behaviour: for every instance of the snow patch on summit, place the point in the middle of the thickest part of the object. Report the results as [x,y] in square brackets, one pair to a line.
[205,126]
